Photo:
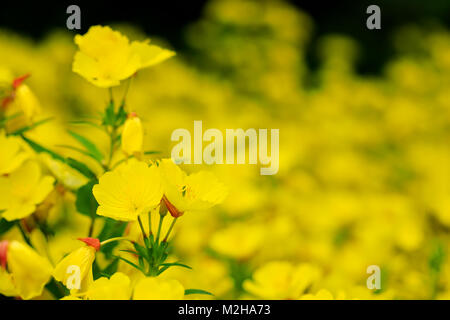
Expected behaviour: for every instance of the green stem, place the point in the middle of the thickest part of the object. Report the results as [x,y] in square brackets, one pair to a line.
[161,218]
[170,229]
[24,235]
[126,91]
[111,98]
[142,227]
[150,223]
[114,239]
[91,227]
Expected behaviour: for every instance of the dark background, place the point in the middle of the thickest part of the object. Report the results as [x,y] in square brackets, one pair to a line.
[167,19]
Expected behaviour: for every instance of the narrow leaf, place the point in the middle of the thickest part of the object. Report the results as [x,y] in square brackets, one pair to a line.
[90,147]
[197,291]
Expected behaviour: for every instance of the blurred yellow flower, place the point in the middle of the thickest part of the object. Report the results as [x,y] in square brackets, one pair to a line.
[239,241]
[12,155]
[128,191]
[22,190]
[65,174]
[282,280]
[132,135]
[182,192]
[28,271]
[158,289]
[118,287]
[320,295]
[106,57]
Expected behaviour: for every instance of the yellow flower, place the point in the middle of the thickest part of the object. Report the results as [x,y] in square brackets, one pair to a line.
[282,280]
[106,57]
[12,155]
[20,100]
[118,287]
[28,271]
[239,241]
[75,270]
[22,190]
[131,189]
[132,135]
[182,192]
[158,289]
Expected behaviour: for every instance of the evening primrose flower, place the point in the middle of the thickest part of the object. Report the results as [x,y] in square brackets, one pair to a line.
[118,287]
[13,154]
[78,266]
[132,135]
[23,272]
[182,192]
[23,190]
[155,288]
[128,191]
[282,280]
[106,57]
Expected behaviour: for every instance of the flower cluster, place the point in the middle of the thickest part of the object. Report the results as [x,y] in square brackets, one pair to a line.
[363,177]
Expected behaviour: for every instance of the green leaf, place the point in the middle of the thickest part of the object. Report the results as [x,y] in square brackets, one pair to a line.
[121,116]
[82,168]
[32,126]
[130,263]
[142,251]
[5,226]
[87,123]
[173,264]
[197,291]
[109,117]
[38,148]
[111,229]
[84,152]
[6,119]
[151,152]
[90,147]
[111,268]
[86,203]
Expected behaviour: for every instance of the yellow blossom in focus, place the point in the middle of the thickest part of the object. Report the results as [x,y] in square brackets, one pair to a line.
[182,192]
[106,57]
[28,271]
[279,280]
[158,289]
[131,189]
[115,288]
[132,135]
[12,155]
[22,190]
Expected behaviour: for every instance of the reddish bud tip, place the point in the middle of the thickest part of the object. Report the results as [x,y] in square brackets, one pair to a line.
[18,81]
[3,251]
[174,212]
[132,115]
[93,242]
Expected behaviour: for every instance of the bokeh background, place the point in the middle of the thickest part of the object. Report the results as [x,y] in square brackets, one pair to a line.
[364,119]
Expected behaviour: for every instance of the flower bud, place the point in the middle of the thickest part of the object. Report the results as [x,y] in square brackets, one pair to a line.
[3,250]
[132,135]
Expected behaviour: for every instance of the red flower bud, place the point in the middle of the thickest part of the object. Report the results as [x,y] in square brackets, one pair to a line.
[18,81]
[3,251]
